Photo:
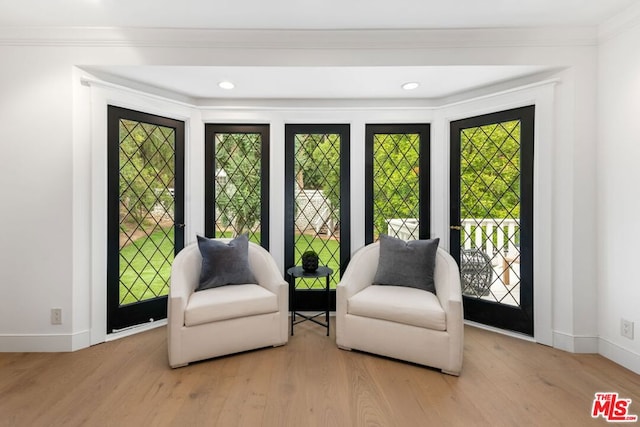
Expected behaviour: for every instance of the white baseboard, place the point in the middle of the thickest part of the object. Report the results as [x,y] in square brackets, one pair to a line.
[619,355]
[44,343]
[34,343]
[575,343]
[81,340]
[561,340]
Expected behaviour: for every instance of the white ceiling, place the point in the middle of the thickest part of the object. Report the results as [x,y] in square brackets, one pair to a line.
[311,82]
[309,14]
[317,82]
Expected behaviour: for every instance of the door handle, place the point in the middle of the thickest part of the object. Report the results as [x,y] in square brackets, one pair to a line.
[180,225]
[455,227]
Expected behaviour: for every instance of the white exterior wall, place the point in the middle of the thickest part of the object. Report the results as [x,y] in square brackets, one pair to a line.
[618,194]
[52,157]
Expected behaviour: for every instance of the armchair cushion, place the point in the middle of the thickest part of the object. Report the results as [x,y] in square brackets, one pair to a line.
[409,263]
[399,304]
[229,302]
[224,263]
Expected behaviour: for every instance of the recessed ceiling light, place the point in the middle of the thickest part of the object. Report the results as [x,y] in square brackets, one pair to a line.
[226,85]
[410,85]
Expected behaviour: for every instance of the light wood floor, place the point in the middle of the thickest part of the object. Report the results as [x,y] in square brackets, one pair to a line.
[308,382]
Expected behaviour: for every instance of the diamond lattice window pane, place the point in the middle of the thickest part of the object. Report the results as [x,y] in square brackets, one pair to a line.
[396,186]
[237,185]
[317,201]
[490,212]
[146,175]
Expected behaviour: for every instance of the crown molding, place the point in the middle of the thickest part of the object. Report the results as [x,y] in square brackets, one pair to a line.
[624,21]
[297,39]
[136,89]
[334,104]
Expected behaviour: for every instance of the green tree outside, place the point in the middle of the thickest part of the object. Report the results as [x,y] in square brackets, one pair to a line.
[146,170]
[238,193]
[490,171]
[396,177]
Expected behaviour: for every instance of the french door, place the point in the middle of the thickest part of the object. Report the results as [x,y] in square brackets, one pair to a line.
[492,216]
[317,205]
[145,218]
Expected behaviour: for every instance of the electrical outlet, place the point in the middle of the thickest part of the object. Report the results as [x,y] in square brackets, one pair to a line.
[56,316]
[626,328]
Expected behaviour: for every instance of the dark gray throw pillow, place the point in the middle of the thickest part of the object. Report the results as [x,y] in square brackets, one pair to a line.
[409,263]
[224,263]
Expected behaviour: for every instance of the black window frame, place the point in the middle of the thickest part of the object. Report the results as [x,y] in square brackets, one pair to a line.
[424,197]
[310,299]
[211,130]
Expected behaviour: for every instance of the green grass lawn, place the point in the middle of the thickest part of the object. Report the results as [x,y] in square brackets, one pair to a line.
[324,249]
[145,265]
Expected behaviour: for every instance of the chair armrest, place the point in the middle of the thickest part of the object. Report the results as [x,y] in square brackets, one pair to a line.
[185,271]
[447,280]
[449,292]
[361,271]
[265,270]
[268,276]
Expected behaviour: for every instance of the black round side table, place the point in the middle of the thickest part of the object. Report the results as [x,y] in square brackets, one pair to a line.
[299,273]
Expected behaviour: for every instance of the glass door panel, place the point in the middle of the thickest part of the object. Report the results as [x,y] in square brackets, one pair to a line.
[492,190]
[145,222]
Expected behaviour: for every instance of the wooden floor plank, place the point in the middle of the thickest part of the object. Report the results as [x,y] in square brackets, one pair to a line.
[308,382]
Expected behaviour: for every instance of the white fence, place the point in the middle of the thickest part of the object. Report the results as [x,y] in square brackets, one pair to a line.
[492,235]
[403,228]
[314,212]
[498,238]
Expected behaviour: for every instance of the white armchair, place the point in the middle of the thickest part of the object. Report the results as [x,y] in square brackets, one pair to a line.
[227,319]
[401,322]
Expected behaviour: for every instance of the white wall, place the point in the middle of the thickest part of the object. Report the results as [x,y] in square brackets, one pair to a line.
[36,167]
[618,194]
[53,234]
